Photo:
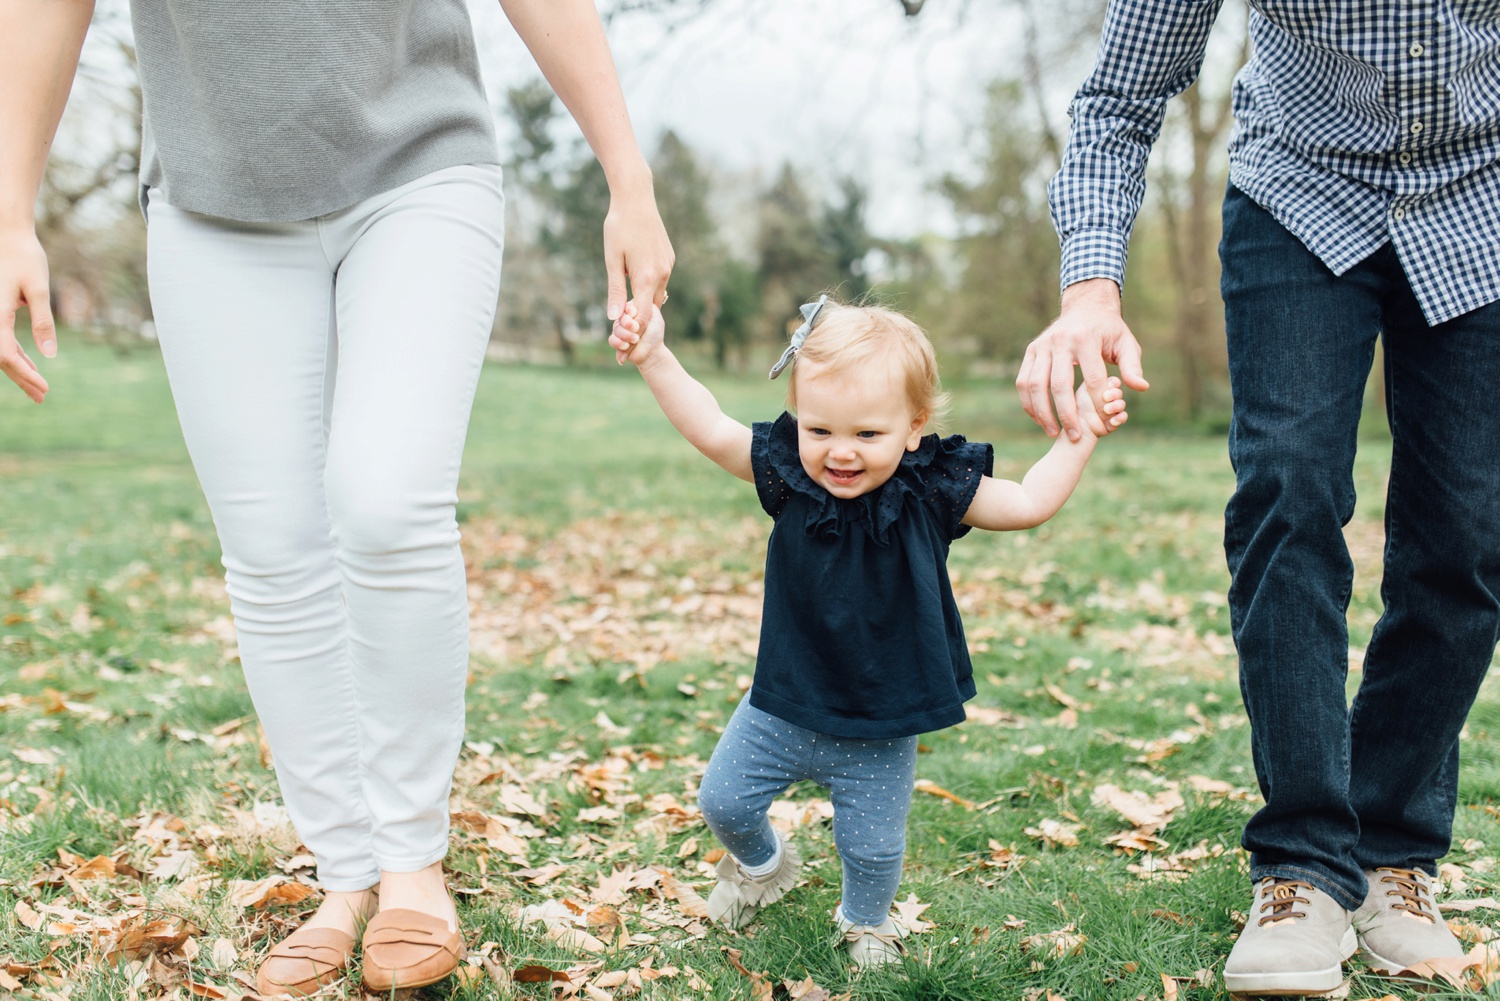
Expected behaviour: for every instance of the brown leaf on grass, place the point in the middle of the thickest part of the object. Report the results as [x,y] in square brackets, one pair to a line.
[909,915]
[28,917]
[805,990]
[134,938]
[516,800]
[1055,833]
[175,865]
[573,938]
[687,898]
[205,990]
[535,973]
[1061,697]
[1176,866]
[540,876]
[1462,906]
[1063,942]
[98,867]
[1146,814]
[263,893]
[761,989]
[933,789]
[1136,841]
[787,815]
[1461,972]
[992,717]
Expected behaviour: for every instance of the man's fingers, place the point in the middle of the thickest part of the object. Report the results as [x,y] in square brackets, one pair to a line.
[43,330]
[1037,390]
[1062,393]
[1128,357]
[1095,377]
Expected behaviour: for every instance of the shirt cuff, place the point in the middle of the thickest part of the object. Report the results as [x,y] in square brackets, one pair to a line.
[1093,253]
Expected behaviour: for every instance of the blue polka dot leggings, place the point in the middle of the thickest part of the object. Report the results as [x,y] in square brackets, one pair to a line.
[869,781]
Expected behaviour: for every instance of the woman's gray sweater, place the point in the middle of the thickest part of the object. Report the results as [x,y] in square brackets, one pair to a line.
[278,110]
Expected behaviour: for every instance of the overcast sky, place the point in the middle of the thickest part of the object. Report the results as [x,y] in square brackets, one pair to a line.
[846,87]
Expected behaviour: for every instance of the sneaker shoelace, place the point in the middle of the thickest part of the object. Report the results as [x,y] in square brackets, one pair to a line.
[1411,890]
[1281,898]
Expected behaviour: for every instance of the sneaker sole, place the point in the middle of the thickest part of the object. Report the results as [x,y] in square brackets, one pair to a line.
[1389,967]
[1301,983]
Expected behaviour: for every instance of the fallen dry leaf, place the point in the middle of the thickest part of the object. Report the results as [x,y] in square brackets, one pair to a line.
[933,789]
[909,915]
[1055,833]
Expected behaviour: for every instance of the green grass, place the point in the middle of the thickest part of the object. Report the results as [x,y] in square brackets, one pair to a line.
[118,669]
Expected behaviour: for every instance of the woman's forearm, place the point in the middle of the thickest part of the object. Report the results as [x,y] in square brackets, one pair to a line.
[39,45]
[566,38]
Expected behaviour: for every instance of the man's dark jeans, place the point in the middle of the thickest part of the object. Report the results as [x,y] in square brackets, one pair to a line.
[1375,784]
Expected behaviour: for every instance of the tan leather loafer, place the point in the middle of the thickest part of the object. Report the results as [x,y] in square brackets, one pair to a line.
[305,961]
[405,948]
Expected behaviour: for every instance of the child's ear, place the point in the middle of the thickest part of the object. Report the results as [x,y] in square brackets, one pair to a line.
[915,438]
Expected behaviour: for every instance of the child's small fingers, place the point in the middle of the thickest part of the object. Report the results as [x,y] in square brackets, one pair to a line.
[1119,419]
[1114,382]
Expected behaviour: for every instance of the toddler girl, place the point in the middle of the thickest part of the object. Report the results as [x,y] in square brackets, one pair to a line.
[861,647]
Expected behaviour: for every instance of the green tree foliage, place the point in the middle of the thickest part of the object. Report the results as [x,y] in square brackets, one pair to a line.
[1006,289]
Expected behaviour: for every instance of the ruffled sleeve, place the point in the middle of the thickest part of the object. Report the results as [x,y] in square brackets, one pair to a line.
[773,456]
[950,477]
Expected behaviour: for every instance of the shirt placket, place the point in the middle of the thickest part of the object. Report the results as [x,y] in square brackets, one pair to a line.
[1414,60]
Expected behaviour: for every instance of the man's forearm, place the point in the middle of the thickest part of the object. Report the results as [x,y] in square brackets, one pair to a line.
[1150,51]
[39,45]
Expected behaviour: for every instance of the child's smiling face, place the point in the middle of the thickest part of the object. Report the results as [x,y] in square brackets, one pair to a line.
[854,425]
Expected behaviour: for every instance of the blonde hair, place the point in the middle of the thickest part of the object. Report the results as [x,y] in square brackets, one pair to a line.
[845,336]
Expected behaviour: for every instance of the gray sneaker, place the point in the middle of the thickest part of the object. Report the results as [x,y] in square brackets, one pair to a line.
[1399,924]
[1295,942]
[739,896]
[871,945]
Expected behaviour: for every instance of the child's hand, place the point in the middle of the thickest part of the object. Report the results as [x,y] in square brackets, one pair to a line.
[1092,421]
[630,341]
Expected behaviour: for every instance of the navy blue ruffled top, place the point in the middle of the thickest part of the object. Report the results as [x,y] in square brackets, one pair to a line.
[861,636]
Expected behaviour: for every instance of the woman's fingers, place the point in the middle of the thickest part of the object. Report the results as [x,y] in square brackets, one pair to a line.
[19,368]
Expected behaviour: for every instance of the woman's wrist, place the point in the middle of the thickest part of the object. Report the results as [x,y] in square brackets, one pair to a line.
[631,179]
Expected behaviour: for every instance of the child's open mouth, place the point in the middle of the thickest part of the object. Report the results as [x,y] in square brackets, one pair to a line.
[843,477]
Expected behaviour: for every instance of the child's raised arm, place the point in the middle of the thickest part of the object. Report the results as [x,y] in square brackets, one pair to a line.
[1004,505]
[687,403]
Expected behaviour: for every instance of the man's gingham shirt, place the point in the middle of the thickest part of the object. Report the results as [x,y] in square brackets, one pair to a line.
[1356,122]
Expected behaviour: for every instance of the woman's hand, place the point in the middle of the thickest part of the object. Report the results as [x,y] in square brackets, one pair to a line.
[23,282]
[636,246]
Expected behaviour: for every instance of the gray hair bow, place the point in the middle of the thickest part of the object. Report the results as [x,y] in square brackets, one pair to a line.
[809,313]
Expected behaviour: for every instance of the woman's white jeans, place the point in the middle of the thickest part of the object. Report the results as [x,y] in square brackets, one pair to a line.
[323,373]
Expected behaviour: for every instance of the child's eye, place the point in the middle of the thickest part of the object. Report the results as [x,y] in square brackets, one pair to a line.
[869,435]
[817,432]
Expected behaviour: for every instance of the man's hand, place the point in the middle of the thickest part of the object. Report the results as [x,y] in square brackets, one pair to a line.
[1088,333]
[633,339]
[23,282]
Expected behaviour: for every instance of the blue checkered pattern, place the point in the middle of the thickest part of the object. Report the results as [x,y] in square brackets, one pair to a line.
[1356,122]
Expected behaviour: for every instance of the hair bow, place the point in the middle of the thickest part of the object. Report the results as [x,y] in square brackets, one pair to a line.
[809,313]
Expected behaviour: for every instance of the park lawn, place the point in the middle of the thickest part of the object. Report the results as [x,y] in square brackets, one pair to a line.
[614,579]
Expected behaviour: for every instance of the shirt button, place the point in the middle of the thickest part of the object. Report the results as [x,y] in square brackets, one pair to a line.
[1399,214]
[1416,49]
[1405,158]
[1416,127]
